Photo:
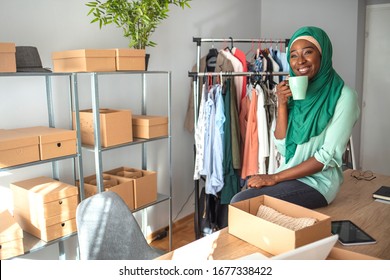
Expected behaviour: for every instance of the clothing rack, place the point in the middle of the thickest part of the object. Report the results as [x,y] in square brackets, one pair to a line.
[196,80]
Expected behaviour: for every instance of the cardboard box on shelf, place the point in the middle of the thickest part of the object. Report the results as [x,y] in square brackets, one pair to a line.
[84,60]
[145,183]
[121,186]
[275,239]
[53,142]
[147,126]
[115,127]
[7,57]
[17,148]
[44,207]
[130,59]
[11,236]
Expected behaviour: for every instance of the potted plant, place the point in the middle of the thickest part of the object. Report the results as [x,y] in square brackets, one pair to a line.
[138,18]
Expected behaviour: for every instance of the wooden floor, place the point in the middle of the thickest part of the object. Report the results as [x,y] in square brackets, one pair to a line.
[183,233]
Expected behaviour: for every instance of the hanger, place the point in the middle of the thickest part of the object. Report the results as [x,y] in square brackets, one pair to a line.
[211,59]
[231,45]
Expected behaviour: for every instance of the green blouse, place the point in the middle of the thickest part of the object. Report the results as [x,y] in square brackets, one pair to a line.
[328,147]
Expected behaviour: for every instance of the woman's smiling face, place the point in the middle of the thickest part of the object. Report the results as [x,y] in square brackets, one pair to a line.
[305,58]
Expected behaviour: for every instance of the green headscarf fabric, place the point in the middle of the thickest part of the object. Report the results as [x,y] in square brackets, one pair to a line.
[308,117]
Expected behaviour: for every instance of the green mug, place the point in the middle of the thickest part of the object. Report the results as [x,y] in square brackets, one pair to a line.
[298,86]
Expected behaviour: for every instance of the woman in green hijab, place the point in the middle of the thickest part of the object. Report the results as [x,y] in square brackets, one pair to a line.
[310,134]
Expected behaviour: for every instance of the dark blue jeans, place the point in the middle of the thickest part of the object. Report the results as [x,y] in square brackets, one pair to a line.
[292,191]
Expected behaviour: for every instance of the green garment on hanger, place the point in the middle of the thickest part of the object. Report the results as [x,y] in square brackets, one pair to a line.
[231,180]
[309,117]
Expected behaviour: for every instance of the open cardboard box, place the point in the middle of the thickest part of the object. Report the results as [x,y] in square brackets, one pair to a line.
[271,237]
[123,187]
[145,185]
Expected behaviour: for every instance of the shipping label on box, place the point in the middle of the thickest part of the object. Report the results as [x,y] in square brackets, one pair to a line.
[145,183]
[271,237]
[84,60]
[17,148]
[115,127]
[7,57]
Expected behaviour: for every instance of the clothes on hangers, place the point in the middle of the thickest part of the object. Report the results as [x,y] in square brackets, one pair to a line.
[237,67]
[231,178]
[251,144]
[210,146]
[232,158]
[224,64]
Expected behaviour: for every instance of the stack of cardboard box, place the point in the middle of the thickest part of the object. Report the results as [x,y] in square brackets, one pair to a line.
[44,207]
[98,60]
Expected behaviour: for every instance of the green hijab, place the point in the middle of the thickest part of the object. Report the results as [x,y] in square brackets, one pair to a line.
[308,117]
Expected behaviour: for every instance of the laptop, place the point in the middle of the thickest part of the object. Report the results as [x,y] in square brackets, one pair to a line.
[318,250]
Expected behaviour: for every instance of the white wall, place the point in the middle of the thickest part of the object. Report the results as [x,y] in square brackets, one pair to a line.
[375,154]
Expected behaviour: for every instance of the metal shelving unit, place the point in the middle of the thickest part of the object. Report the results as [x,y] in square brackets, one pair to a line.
[98,150]
[30,242]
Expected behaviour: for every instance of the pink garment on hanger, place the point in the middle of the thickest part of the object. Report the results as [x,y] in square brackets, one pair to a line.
[250,161]
[242,58]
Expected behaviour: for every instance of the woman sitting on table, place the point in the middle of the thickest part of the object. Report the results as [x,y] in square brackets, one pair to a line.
[311,134]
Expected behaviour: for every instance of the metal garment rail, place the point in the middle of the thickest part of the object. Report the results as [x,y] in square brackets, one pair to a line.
[205,74]
[195,76]
[196,80]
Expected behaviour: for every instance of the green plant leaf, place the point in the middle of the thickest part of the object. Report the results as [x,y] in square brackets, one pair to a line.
[137,18]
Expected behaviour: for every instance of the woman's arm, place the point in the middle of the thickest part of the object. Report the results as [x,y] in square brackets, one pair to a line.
[283,93]
[308,167]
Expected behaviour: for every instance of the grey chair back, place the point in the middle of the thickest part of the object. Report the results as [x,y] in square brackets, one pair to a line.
[107,230]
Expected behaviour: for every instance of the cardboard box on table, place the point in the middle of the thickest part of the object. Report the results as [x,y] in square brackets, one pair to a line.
[146,126]
[115,127]
[44,207]
[84,60]
[343,254]
[121,186]
[11,236]
[7,57]
[270,237]
[53,142]
[145,187]
[130,59]
[17,148]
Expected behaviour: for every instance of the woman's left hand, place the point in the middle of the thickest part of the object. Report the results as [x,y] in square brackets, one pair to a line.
[262,180]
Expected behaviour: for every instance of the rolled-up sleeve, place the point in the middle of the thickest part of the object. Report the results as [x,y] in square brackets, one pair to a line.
[280,144]
[339,129]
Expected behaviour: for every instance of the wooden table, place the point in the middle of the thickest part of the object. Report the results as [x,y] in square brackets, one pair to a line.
[223,246]
[354,202]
